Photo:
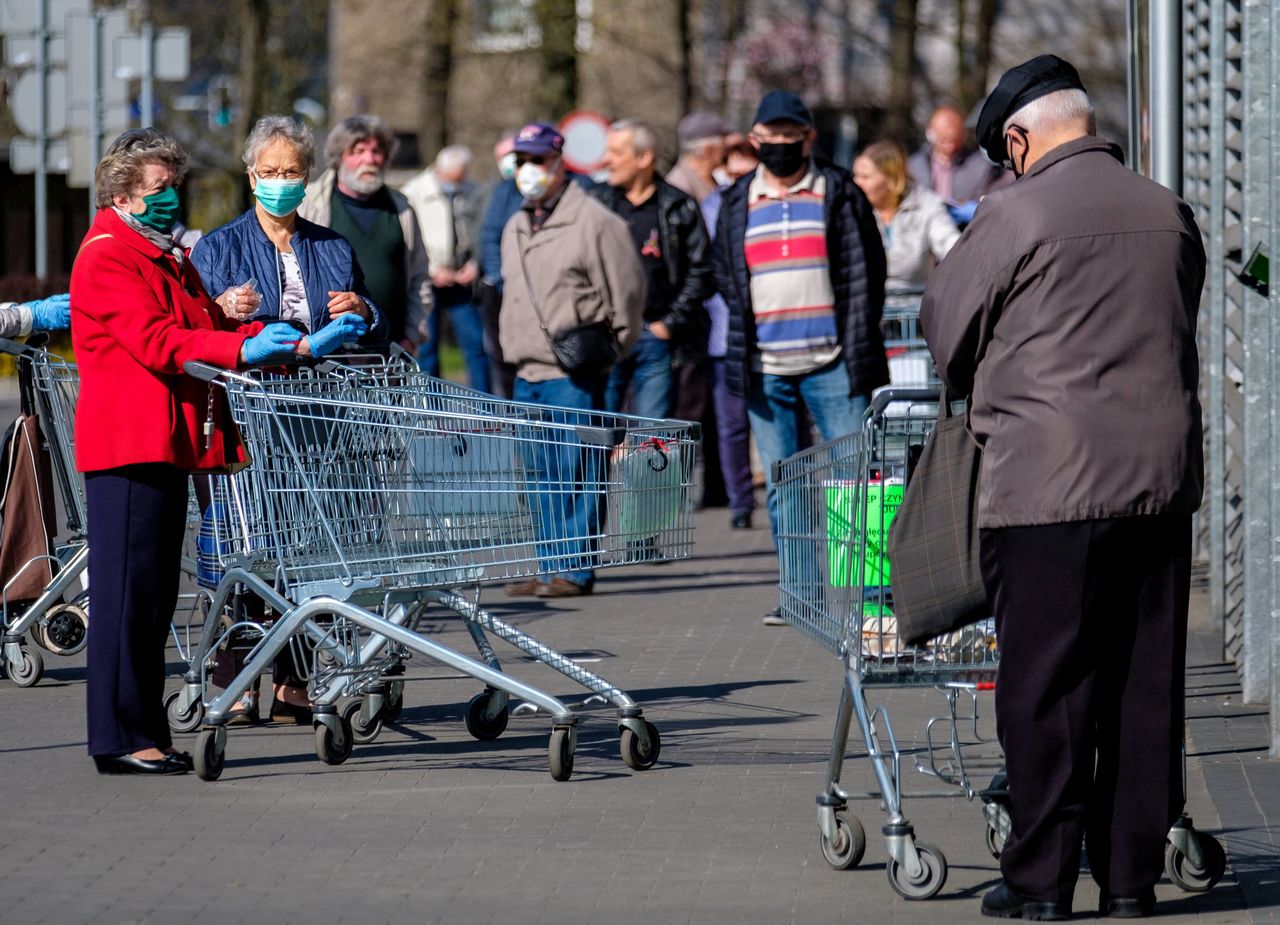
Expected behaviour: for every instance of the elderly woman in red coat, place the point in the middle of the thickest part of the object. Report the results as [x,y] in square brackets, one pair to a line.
[138,313]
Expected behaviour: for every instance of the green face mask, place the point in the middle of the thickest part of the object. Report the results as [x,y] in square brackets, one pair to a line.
[161,211]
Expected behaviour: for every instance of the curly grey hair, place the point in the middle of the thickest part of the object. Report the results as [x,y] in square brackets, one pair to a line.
[275,127]
[351,131]
[120,170]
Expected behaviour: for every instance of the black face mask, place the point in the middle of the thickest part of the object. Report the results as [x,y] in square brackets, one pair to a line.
[782,159]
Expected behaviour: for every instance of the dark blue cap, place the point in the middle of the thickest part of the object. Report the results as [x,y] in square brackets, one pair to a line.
[538,139]
[781,106]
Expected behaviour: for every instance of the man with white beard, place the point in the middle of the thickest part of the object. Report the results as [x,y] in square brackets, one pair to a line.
[352,198]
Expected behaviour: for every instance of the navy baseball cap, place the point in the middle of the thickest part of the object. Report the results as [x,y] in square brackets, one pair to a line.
[538,139]
[1019,86]
[781,106]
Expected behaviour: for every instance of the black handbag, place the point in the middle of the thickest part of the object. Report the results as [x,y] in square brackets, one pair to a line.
[584,349]
[933,541]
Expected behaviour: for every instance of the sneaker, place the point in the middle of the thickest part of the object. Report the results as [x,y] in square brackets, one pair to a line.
[774,618]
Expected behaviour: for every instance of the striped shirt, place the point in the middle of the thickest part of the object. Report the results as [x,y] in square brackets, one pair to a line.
[791,294]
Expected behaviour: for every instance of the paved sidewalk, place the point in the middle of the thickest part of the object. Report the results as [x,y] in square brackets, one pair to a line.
[428,825]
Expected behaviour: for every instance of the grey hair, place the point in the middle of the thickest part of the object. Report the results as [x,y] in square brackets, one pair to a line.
[454,156]
[643,138]
[1054,110]
[698,145]
[121,168]
[269,129]
[354,129]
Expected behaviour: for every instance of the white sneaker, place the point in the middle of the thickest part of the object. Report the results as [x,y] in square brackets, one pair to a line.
[774,618]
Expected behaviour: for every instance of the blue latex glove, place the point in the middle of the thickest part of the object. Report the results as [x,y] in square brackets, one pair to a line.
[337,332]
[273,343]
[51,314]
[962,214]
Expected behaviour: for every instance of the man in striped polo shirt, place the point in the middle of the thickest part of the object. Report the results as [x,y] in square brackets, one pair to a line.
[798,259]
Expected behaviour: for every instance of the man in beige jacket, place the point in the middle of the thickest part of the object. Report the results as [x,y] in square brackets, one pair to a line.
[566,261]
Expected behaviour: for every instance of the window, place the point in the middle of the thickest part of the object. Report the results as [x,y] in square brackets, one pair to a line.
[504,25]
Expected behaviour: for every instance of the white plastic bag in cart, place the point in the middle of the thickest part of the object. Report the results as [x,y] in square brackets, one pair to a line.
[649,480]
[466,480]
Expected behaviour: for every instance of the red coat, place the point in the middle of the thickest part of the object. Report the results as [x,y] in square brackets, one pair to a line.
[136,318]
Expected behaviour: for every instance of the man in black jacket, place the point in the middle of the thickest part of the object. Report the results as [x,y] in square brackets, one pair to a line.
[667,228]
[798,260]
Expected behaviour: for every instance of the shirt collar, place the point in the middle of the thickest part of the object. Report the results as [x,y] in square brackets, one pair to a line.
[811,182]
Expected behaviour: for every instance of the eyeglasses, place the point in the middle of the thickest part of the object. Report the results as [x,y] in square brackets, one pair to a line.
[779,137]
[289,174]
[540,159]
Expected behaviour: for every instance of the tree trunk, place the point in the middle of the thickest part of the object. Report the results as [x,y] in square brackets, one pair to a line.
[684,25]
[899,119]
[255,20]
[980,73]
[433,133]
[558,56]
[962,49]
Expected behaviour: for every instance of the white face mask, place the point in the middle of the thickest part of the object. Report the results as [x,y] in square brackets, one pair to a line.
[507,166]
[532,180]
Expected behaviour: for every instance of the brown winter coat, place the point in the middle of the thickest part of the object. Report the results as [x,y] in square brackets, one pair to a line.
[1067,312]
[582,267]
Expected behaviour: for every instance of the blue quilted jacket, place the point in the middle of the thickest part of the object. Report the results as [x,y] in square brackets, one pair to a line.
[240,249]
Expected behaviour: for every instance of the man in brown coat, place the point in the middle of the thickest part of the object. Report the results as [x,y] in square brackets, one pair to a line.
[1067,313]
[566,261]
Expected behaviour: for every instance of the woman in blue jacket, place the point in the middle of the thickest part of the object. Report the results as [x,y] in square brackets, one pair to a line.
[301,273]
[271,264]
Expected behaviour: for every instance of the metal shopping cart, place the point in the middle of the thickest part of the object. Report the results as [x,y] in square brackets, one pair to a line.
[835,504]
[910,364]
[363,504]
[58,618]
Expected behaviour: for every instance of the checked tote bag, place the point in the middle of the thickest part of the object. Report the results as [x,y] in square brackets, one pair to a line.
[933,543]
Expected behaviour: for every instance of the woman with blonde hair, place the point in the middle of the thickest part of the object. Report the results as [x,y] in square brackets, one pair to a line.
[914,224]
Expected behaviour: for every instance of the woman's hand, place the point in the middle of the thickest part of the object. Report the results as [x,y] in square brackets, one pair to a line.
[342,303]
[240,303]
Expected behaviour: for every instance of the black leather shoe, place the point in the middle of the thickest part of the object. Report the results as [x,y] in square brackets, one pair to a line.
[741,521]
[1128,907]
[283,712]
[129,764]
[185,758]
[1004,903]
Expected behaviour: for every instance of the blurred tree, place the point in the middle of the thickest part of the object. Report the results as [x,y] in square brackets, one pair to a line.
[973,52]
[558,56]
[442,22]
[899,123]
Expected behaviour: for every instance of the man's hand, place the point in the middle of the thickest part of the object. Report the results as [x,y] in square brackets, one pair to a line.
[467,275]
[342,303]
[659,330]
[442,277]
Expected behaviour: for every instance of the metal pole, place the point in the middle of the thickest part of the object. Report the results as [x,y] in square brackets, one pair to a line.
[42,142]
[95,103]
[1166,93]
[1131,82]
[147,100]
[1272,53]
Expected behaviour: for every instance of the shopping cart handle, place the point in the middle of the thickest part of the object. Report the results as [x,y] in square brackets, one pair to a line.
[198,369]
[17,348]
[886,397]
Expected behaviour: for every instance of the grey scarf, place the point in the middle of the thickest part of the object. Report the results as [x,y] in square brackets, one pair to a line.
[162,241]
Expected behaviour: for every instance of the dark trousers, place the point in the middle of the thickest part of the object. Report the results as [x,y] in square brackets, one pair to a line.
[1092,623]
[502,375]
[694,403]
[733,433]
[137,515]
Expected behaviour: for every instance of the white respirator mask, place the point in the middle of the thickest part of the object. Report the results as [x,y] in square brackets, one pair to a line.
[532,180]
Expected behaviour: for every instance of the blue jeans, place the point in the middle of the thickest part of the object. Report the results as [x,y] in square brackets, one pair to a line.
[773,407]
[647,369]
[566,482]
[468,331]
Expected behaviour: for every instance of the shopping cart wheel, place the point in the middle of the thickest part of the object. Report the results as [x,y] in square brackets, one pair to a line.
[360,733]
[211,754]
[933,874]
[849,845]
[641,752]
[28,670]
[479,724]
[180,721]
[1187,876]
[392,703]
[66,630]
[334,746]
[564,740]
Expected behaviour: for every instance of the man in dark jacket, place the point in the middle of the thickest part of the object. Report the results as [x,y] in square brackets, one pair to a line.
[798,259]
[669,236]
[1067,314]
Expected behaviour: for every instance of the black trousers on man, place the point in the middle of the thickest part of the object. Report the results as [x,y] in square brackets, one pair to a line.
[1092,622]
[137,515]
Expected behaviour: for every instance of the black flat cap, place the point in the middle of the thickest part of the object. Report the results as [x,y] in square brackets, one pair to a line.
[1018,87]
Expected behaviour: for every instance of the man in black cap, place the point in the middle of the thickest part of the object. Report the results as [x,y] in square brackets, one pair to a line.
[1067,314]
[798,259]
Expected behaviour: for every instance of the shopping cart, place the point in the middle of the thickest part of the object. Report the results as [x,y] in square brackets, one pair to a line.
[910,365]
[58,618]
[363,505]
[835,504]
